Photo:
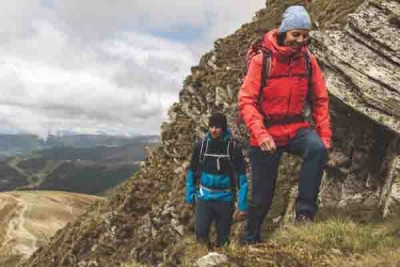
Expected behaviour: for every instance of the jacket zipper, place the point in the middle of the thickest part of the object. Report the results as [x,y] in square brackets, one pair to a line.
[290,87]
[290,95]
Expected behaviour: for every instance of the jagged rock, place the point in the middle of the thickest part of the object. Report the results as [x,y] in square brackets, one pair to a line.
[211,259]
[392,202]
[368,83]
[289,212]
[212,62]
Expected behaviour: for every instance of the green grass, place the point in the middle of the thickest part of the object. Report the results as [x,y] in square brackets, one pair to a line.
[10,261]
[328,242]
[131,264]
[342,236]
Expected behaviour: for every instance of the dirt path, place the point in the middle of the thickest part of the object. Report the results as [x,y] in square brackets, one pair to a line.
[29,218]
[25,242]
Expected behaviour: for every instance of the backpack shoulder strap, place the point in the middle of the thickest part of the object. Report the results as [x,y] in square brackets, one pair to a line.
[308,107]
[203,150]
[307,59]
[230,151]
[203,147]
[265,70]
[231,146]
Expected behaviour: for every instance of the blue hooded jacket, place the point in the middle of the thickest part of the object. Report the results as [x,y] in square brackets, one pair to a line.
[217,174]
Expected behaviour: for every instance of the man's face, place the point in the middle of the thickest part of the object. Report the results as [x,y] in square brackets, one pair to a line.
[296,38]
[215,132]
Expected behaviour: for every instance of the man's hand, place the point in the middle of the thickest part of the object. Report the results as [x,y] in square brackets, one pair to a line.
[191,201]
[240,215]
[268,145]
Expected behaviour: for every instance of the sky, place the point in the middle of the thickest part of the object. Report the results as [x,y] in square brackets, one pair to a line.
[102,66]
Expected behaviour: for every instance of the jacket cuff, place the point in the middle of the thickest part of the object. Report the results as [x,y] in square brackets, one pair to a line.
[262,138]
[243,207]
[242,195]
[190,199]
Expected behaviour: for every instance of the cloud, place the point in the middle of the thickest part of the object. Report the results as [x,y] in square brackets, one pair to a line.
[113,83]
[89,66]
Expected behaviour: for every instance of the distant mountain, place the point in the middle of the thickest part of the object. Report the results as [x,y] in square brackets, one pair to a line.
[11,145]
[86,177]
[123,153]
[29,219]
[78,167]
[97,140]
[10,178]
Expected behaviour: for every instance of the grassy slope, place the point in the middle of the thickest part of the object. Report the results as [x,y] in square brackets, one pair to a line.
[29,219]
[326,242]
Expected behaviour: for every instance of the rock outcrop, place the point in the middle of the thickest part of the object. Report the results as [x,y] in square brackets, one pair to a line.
[145,220]
[362,69]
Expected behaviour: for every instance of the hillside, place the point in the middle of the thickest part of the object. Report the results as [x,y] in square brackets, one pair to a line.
[29,219]
[89,170]
[145,222]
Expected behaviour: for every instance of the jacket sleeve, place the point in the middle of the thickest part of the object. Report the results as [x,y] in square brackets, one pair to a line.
[191,174]
[247,100]
[240,171]
[320,102]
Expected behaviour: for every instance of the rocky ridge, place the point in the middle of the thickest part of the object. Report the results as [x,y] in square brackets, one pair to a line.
[146,221]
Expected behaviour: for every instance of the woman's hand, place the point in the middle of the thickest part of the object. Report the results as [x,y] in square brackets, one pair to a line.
[268,145]
[327,144]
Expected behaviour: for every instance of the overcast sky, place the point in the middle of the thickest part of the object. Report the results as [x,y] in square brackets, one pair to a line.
[101,66]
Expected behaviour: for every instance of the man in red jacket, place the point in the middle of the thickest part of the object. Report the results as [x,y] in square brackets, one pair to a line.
[274,116]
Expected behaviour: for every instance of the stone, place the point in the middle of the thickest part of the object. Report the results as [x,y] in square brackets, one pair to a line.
[212,259]
[392,202]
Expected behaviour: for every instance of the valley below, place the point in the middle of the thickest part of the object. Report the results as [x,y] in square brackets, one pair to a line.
[28,219]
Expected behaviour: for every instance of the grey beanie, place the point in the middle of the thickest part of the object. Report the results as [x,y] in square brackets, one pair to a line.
[295,17]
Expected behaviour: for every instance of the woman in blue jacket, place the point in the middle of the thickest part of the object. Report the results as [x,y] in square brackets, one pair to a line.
[217,172]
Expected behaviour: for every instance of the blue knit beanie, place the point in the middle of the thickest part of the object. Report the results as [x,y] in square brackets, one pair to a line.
[295,17]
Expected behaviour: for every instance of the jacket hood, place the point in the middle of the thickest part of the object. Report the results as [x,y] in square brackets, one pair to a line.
[227,135]
[270,42]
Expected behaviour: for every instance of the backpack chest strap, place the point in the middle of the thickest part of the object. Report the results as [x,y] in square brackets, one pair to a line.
[215,190]
[218,157]
[205,154]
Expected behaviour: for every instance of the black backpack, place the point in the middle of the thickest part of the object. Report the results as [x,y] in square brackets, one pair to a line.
[203,153]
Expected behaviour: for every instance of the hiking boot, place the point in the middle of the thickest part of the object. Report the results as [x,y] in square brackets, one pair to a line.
[303,217]
[249,241]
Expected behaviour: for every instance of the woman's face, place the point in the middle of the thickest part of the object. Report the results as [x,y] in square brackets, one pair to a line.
[296,38]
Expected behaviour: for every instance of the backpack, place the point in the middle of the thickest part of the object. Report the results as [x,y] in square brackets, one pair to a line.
[230,148]
[257,47]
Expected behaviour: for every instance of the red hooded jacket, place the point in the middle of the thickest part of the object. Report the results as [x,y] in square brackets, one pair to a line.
[284,95]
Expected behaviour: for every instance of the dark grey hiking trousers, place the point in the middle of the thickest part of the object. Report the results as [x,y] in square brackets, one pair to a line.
[264,170]
[208,212]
